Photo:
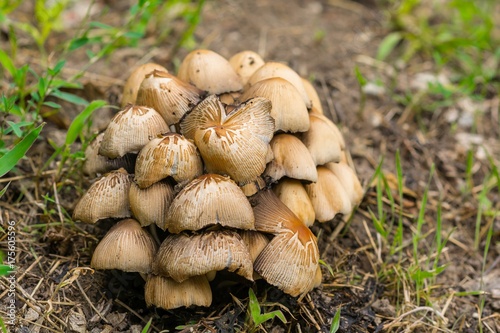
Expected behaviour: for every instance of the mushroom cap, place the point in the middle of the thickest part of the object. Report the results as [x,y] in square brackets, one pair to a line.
[245,63]
[166,293]
[169,154]
[127,247]
[168,95]
[289,111]
[134,81]
[255,242]
[207,200]
[150,205]
[273,69]
[130,130]
[209,71]
[322,142]
[114,187]
[254,186]
[234,143]
[328,196]
[349,180]
[181,256]
[96,164]
[293,194]
[333,128]
[313,96]
[291,159]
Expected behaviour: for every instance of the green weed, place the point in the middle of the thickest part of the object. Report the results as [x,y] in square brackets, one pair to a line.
[256,316]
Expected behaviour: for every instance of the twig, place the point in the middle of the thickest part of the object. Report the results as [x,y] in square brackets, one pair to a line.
[420,308]
[120,303]
[89,302]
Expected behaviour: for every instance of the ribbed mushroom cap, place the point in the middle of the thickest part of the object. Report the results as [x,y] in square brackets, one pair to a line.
[134,81]
[245,63]
[168,95]
[328,196]
[209,71]
[291,259]
[254,186]
[127,247]
[322,142]
[150,205]
[130,130]
[181,256]
[167,155]
[275,69]
[349,180]
[208,200]
[234,143]
[333,127]
[293,194]
[166,293]
[291,159]
[107,197]
[313,96]
[96,164]
[255,242]
[289,111]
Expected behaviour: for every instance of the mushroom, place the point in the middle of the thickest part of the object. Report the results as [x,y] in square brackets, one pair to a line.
[289,111]
[209,71]
[168,294]
[134,82]
[313,96]
[253,187]
[208,200]
[169,154]
[114,186]
[150,205]
[231,143]
[349,180]
[293,194]
[168,95]
[127,247]
[130,130]
[322,142]
[291,159]
[182,256]
[245,63]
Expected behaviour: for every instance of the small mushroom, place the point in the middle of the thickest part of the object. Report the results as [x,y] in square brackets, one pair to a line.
[253,187]
[245,63]
[208,200]
[255,242]
[322,142]
[169,154]
[182,256]
[114,187]
[96,164]
[209,71]
[293,194]
[130,130]
[166,293]
[168,95]
[349,180]
[234,143]
[291,159]
[127,247]
[134,82]
[150,205]
[313,96]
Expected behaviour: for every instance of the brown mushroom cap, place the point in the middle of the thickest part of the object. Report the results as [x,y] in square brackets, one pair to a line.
[127,247]
[245,63]
[167,293]
[209,71]
[181,256]
[134,82]
[255,242]
[234,143]
[170,154]
[291,159]
[168,95]
[293,194]
[207,200]
[349,180]
[289,111]
[322,141]
[114,188]
[130,130]
[150,205]
[328,196]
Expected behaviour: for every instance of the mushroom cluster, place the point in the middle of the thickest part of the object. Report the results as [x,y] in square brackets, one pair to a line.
[233,160]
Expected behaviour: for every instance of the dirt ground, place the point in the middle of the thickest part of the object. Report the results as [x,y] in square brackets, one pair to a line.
[324,41]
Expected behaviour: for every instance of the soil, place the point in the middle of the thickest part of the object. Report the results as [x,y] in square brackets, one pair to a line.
[324,41]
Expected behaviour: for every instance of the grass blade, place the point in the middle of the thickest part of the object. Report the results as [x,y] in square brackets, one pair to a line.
[335,322]
[77,124]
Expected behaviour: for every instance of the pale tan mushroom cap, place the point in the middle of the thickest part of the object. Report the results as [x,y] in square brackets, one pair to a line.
[182,256]
[134,82]
[255,242]
[166,293]
[245,63]
[313,96]
[127,247]
[349,180]
[130,130]
[322,141]
[209,71]
[293,194]
[208,200]
[150,205]
[235,143]
[167,155]
[168,95]
[106,198]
